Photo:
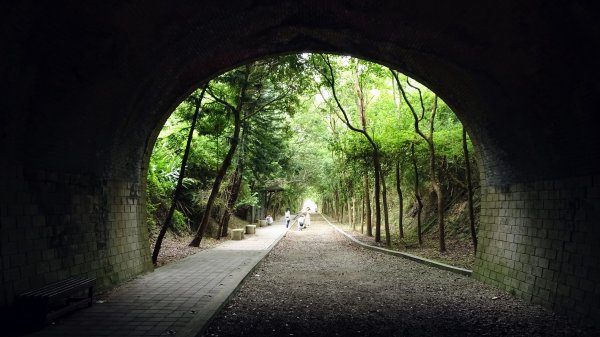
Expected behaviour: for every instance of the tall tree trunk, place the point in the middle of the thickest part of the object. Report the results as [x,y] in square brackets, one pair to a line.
[349,208]
[417,194]
[440,211]
[400,200]
[386,220]
[362,216]
[226,162]
[330,78]
[217,183]
[353,212]
[362,109]
[377,195]
[342,207]
[167,224]
[435,180]
[336,198]
[367,198]
[234,192]
[469,190]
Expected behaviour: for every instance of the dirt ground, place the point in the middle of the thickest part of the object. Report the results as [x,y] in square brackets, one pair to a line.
[175,247]
[315,283]
[459,251]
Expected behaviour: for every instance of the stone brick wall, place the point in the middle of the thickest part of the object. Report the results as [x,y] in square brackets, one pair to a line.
[541,241]
[56,225]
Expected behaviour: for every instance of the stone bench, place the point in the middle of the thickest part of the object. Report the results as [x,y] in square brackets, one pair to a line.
[237,234]
[262,223]
[250,229]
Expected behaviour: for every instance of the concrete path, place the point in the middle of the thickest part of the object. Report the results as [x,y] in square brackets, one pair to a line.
[318,283]
[176,299]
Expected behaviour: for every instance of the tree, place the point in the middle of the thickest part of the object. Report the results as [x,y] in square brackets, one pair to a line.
[167,224]
[388,236]
[432,157]
[417,193]
[291,138]
[329,77]
[469,190]
[236,111]
[400,200]
[367,192]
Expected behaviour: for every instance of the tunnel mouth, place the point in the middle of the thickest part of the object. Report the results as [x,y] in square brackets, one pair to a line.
[87,88]
[271,187]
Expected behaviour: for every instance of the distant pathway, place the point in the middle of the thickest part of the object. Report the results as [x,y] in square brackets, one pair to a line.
[315,283]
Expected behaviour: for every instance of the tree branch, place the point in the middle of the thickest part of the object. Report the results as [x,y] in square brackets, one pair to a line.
[410,106]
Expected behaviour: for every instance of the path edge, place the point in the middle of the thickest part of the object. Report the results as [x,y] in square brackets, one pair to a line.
[418,259]
[198,325]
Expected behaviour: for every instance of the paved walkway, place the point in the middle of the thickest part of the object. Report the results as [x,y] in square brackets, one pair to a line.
[318,283]
[176,299]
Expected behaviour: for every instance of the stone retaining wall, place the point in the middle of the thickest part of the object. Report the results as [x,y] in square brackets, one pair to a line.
[541,242]
[56,225]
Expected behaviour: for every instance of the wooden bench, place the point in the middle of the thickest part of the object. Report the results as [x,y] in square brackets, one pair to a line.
[42,305]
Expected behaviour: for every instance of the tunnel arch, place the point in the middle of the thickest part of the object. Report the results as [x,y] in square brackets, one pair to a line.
[193,84]
[88,84]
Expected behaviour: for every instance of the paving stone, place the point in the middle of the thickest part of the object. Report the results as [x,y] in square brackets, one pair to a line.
[154,303]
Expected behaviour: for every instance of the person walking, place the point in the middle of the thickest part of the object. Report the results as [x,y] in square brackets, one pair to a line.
[288,217]
[300,219]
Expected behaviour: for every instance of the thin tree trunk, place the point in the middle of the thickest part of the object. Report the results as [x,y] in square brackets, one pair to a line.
[377,195]
[417,194]
[349,209]
[437,185]
[362,216]
[353,213]
[469,190]
[233,196]
[167,224]
[224,166]
[368,204]
[386,220]
[435,181]
[336,198]
[362,109]
[216,185]
[330,78]
[400,200]
[342,207]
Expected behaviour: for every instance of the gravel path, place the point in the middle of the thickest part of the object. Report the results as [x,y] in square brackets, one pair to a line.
[314,283]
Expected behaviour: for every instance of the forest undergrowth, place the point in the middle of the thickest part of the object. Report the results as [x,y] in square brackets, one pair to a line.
[175,245]
[459,252]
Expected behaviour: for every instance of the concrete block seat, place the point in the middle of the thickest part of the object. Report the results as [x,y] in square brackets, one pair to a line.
[237,234]
[262,223]
[250,229]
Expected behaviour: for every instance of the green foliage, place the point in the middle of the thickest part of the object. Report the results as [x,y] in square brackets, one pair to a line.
[179,223]
[271,92]
[293,136]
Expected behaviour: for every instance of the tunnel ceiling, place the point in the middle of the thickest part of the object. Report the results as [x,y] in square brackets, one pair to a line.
[88,84]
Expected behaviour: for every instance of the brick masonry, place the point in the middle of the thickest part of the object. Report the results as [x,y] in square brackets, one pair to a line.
[79,101]
[539,241]
[55,225]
